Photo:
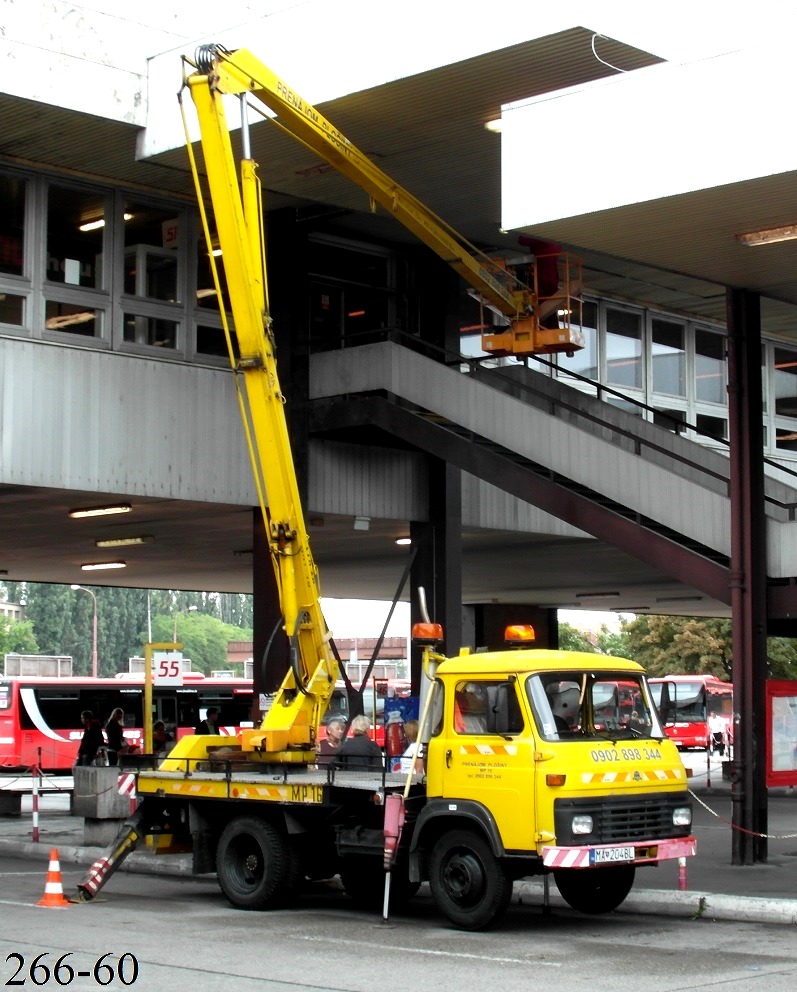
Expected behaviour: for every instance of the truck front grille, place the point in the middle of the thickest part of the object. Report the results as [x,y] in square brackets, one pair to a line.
[619,819]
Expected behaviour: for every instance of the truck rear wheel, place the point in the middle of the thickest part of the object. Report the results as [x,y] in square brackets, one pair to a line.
[253,863]
[468,884]
[595,890]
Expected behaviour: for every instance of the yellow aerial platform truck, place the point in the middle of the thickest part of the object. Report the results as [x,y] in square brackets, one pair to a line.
[534,762]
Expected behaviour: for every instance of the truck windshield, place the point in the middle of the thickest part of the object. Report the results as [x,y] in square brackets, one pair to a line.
[594,705]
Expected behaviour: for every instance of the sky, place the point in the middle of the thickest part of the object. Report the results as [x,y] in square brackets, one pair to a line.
[365,618]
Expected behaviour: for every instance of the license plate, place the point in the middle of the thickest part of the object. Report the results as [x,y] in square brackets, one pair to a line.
[606,855]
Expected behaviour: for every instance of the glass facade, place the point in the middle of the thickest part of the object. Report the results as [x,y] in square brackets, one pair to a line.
[132,273]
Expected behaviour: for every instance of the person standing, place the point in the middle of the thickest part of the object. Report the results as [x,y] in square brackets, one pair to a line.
[327,749]
[92,739]
[408,762]
[115,735]
[716,731]
[210,724]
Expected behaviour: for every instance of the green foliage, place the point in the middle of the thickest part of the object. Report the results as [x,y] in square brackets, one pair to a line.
[698,645]
[680,645]
[204,638]
[17,637]
[573,639]
[782,658]
[612,642]
[60,621]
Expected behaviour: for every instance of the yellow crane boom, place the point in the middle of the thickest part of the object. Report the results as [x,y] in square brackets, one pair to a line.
[288,729]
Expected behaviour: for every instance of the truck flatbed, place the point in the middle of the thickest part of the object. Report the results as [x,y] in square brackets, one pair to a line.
[291,784]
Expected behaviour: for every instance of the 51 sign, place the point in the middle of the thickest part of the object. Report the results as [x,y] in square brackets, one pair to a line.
[167,667]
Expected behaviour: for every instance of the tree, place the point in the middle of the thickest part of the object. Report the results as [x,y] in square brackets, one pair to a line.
[680,645]
[698,645]
[204,638]
[17,637]
[573,639]
[612,642]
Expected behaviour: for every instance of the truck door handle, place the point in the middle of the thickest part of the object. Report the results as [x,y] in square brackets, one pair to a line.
[448,758]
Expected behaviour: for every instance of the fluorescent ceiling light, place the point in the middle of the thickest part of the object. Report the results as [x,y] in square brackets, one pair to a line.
[123,542]
[678,599]
[97,223]
[100,511]
[597,595]
[628,609]
[769,236]
[97,566]
[403,541]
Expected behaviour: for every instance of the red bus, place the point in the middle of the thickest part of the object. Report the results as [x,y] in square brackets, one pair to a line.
[40,717]
[685,703]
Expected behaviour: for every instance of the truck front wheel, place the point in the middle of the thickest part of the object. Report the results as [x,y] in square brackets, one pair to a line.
[253,862]
[468,884]
[595,890]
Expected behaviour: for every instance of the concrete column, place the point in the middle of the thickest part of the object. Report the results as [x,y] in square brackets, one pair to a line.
[748,577]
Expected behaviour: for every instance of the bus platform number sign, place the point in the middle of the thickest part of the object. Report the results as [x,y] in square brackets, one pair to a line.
[168,668]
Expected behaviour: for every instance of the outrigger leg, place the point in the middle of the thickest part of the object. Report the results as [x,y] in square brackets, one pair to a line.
[102,869]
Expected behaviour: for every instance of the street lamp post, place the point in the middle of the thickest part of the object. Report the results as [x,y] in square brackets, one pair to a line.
[188,609]
[93,631]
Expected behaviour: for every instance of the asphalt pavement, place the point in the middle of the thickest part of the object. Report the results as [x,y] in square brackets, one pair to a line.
[708,885]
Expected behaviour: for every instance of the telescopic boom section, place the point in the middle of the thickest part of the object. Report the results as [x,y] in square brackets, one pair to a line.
[495,282]
[287,733]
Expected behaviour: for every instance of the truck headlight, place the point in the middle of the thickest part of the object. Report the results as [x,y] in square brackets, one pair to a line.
[581,824]
[682,816]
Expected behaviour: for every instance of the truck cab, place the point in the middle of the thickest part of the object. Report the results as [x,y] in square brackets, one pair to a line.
[537,764]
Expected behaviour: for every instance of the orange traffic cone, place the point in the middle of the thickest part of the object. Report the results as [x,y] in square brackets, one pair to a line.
[53,889]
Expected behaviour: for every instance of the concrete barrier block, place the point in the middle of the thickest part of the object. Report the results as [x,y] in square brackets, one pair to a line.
[96,794]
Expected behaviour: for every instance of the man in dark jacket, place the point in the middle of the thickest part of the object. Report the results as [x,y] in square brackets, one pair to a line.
[92,739]
[358,752]
[210,725]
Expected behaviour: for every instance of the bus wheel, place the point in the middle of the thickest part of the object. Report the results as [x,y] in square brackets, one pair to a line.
[364,881]
[468,884]
[595,890]
[253,863]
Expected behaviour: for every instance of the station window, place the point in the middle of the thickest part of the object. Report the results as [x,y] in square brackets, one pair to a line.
[352,292]
[72,318]
[668,357]
[152,239]
[710,426]
[212,341]
[12,309]
[153,331]
[784,382]
[623,348]
[583,361]
[76,237]
[710,374]
[12,226]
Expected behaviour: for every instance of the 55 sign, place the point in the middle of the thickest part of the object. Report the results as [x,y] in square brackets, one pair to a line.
[167,668]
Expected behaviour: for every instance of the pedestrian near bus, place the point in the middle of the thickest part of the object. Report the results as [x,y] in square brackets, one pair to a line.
[115,735]
[92,739]
[210,725]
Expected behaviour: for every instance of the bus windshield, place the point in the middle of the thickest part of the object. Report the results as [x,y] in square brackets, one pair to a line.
[596,706]
[685,702]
